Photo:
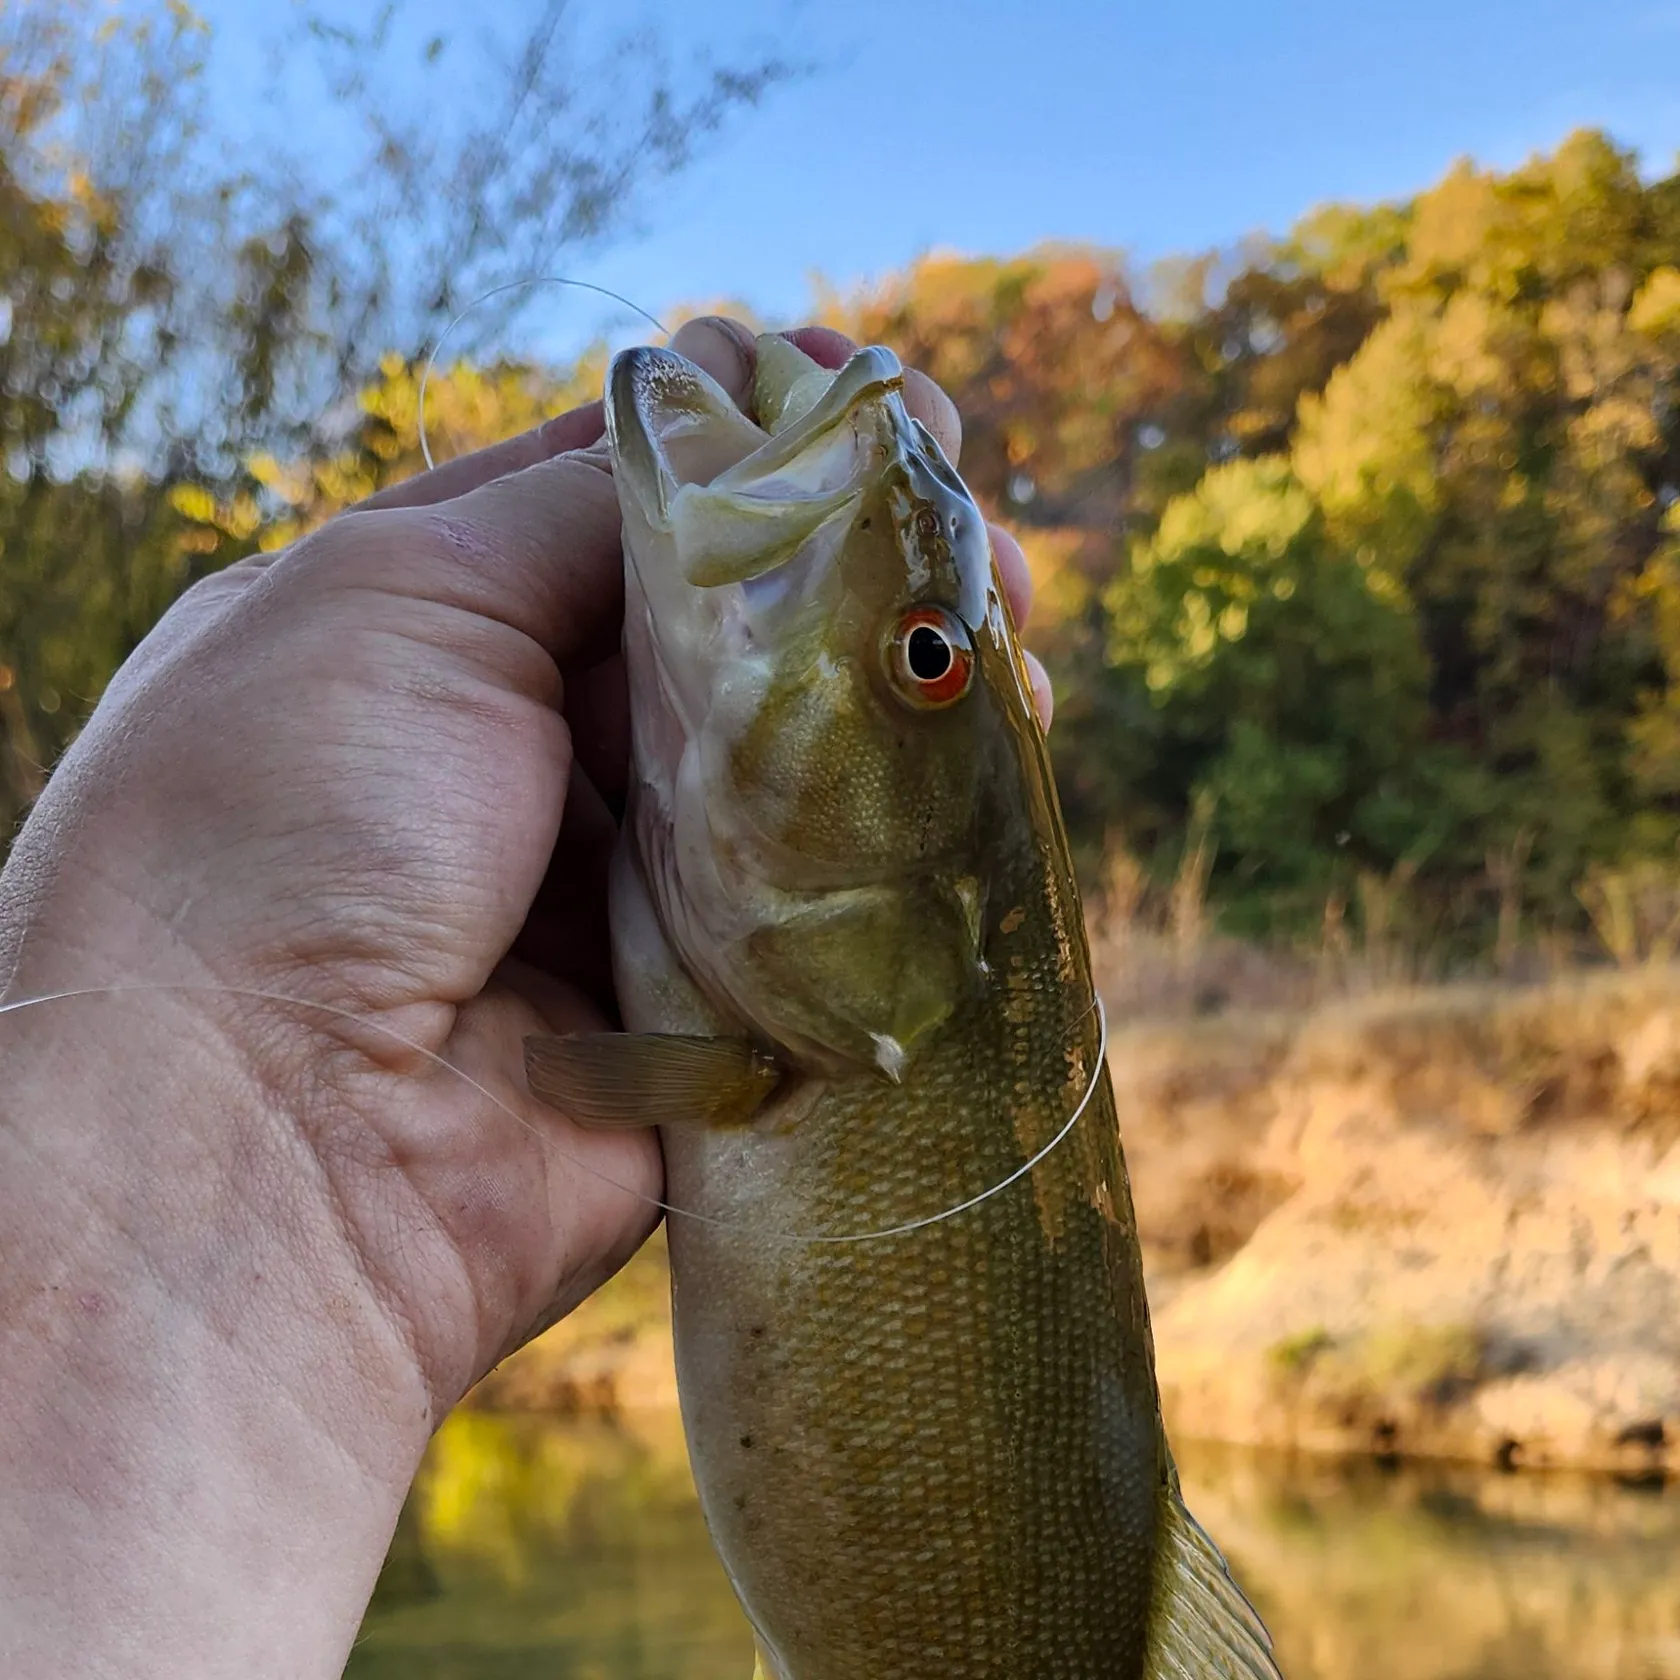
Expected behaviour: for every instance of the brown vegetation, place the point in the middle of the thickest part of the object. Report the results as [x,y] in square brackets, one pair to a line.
[1472,1247]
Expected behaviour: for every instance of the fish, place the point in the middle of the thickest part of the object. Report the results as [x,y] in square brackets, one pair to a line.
[913,1345]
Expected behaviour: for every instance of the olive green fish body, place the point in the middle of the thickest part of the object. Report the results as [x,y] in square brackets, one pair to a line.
[922,1415]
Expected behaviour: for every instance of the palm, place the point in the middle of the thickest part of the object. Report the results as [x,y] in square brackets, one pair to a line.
[365,744]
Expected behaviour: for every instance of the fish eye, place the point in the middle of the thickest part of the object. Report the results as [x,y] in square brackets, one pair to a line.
[930,658]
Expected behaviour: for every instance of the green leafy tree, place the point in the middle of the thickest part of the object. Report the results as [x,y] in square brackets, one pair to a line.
[1288,690]
[1500,447]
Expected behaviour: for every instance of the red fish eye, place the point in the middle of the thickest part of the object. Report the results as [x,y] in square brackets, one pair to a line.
[930,657]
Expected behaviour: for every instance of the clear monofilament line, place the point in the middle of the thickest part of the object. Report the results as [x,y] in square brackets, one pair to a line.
[1021,1171]
[798,1238]
[496,291]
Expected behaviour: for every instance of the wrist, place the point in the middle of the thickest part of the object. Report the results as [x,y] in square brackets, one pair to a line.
[208,1419]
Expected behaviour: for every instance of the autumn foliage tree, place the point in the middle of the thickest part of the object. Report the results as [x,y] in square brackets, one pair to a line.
[1366,543]
[204,346]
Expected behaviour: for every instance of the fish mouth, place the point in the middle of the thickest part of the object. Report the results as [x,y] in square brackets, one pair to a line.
[741,538]
[724,500]
[735,500]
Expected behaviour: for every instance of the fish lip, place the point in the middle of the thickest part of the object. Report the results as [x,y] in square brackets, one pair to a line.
[623,380]
[872,372]
[633,371]
[873,368]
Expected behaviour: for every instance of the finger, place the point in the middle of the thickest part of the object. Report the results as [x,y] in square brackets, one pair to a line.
[586,1200]
[726,349]
[825,346]
[566,932]
[1044,700]
[575,429]
[935,410]
[1013,573]
[538,550]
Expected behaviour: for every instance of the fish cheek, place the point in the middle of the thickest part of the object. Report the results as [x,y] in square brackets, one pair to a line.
[839,777]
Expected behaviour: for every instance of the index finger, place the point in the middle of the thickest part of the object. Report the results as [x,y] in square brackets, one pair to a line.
[577,428]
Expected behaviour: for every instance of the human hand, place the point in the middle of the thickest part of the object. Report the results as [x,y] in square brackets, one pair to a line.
[374,773]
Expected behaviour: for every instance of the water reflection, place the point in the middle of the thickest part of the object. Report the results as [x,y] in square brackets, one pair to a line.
[541,1551]
[1448,1572]
[545,1551]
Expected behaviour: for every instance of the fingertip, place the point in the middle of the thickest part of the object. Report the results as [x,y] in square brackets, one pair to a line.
[577,428]
[825,346]
[1013,572]
[1044,698]
[935,410]
[724,348]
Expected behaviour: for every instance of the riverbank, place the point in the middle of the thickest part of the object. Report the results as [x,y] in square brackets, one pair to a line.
[1442,1223]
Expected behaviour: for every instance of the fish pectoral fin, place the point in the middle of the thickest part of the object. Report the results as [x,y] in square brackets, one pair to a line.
[1201,1627]
[612,1080]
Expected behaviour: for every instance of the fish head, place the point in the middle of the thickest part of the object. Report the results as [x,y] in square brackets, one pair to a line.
[823,675]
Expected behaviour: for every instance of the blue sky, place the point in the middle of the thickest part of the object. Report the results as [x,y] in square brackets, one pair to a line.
[988,127]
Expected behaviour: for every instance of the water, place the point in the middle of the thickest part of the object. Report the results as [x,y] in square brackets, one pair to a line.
[534,1550]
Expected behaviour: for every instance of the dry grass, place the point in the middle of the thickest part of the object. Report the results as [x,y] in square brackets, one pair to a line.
[1159,953]
[1469,1248]
[1595,1046]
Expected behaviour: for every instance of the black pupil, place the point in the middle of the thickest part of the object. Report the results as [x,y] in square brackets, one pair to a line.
[928,653]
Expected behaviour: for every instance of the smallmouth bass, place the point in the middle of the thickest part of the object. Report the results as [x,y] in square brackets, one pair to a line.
[853,972]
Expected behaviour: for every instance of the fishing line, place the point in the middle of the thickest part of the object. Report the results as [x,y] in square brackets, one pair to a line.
[793,1237]
[496,291]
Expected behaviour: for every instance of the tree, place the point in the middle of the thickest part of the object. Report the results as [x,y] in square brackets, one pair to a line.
[174,324]
[1067,388]
[1288,692]
[1501,447]
[1464,409]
